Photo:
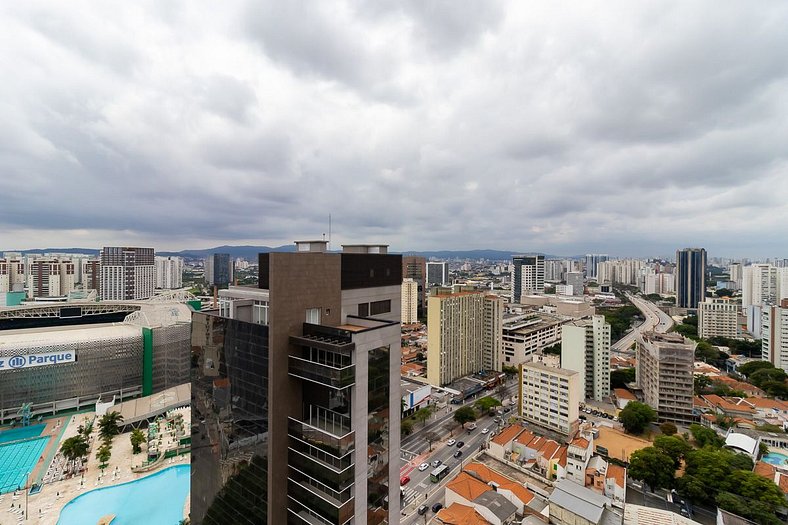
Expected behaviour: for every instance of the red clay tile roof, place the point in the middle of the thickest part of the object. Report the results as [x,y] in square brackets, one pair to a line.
[457,514]
[623,393]
[487,474]
[467,486]
[618,473]
[507,434]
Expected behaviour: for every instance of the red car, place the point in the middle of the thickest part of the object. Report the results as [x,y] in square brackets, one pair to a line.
[404,480]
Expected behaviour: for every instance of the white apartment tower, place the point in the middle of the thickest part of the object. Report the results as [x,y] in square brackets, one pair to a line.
[127,273]
[585,348]
[527,276]
[169,272]
[463,334]
[410,301]
[665,374]
[763,284]
[718,317]
[774,335]
[592,260]
[550,397]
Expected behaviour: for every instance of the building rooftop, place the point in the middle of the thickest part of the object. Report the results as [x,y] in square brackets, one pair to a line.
[549,369]
[579,500]
[65,334]
[623,393]
[467,486]
[507,434]
[487,475]
[640,515]
[457,514]
[497,504]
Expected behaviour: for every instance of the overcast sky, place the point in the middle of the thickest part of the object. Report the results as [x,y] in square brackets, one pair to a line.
[625,127]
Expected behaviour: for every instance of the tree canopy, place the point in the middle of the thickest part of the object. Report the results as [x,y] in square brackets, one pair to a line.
[705,436]
[748,369]
[486,403]
[619,378]
[674,446]
[668,428]
[464,415]
[636,416]
[653,467]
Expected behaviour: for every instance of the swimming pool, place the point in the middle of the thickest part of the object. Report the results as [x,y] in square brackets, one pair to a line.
[157,499]
[17,459]
[775,458]
[15,434]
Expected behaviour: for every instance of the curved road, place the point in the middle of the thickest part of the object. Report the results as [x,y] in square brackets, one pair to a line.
[656,320]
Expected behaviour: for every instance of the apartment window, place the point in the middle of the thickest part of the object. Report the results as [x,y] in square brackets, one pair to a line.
[363,310]
[380,307]
[313,315]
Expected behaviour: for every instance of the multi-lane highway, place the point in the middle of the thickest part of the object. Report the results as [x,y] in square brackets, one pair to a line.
[656,320]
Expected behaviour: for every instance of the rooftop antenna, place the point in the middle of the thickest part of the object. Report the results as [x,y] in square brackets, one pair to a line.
[329,232]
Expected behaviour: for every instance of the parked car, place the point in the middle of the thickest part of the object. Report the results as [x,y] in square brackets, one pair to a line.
[458,454]
[423,467]
[460,444]
[451,442]
[437,507]
[422,510]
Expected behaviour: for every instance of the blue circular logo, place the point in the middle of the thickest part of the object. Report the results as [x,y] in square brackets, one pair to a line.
[16,362]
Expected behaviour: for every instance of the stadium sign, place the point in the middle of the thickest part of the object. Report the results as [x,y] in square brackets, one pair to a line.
[31,360]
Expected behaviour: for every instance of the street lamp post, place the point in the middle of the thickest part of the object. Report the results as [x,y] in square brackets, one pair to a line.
[27,489]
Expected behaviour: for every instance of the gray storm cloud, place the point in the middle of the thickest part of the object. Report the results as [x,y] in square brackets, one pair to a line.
[557,127]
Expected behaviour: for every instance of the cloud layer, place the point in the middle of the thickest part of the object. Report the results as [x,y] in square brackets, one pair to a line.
[629,128]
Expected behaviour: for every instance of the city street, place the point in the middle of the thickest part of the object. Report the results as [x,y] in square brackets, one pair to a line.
[420,490]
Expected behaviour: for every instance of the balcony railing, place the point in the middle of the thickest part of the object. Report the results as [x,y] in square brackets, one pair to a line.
[324,374]
[324,429]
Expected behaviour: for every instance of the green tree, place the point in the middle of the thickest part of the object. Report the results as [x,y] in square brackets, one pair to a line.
[74,447]
[754,487]
[705,436]
[553,350]
[464,415]
[423,414]
[137,438]
[487,403]
[510,371]
[109,425]
[668,429]
[636,416]
[764,375]
[724,292]
[706,352]
[753,510]
[619,378]
[103,454]
[653,467]
[673,446]
[701,383]
[406,427]
[748,369]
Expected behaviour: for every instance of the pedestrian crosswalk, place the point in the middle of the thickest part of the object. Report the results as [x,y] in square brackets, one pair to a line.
[414,492]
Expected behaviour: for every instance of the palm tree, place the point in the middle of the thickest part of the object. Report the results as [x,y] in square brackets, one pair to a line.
[108,425]
[103,455]
[137,439]
[74,448]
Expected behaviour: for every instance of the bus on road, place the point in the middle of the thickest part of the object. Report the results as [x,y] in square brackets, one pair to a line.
[439,473]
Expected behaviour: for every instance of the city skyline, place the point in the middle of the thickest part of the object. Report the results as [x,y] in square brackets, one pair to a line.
[628,130]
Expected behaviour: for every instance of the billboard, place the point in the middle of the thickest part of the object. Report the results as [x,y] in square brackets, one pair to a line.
[31,360]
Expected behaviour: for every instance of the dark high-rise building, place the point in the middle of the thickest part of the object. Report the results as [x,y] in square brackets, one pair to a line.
[415,267]
[527,275]
[219,269]
[437,273]
[690,277]
[297,383]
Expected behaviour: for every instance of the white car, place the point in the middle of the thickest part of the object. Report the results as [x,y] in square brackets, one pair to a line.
[423,467]
[485,430]
[451,442]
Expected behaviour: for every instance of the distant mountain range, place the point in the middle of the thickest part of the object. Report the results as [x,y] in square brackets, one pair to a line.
[250,252]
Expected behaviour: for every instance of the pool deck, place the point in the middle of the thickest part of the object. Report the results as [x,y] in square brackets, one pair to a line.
[44,508]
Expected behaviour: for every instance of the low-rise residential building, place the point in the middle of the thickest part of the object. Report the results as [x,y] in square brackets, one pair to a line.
[573,504]
[550,397]
[469,491]
[517,494]
[578,455]
[622,397]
